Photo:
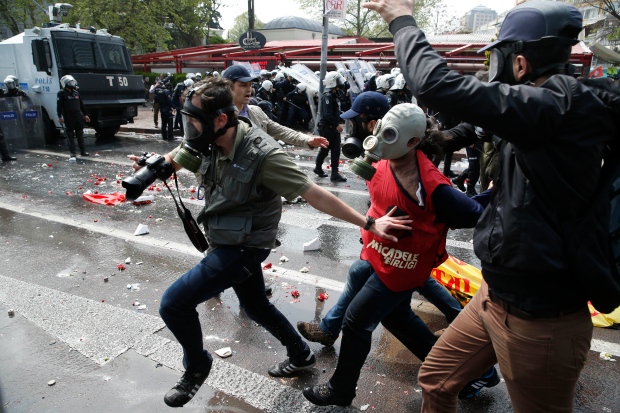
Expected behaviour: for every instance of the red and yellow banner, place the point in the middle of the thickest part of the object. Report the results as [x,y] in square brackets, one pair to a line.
[463,280]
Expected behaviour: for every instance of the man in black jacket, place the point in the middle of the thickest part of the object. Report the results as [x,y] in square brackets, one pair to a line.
[531,312]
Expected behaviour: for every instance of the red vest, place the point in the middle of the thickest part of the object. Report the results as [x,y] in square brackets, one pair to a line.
[405,264]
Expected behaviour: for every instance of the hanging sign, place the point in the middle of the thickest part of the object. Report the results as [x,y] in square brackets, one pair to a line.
[252,41]
[336,9]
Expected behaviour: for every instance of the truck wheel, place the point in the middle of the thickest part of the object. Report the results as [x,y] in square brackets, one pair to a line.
[51,133]
[107,132]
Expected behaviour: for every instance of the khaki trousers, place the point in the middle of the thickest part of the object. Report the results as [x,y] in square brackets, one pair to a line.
[540,359]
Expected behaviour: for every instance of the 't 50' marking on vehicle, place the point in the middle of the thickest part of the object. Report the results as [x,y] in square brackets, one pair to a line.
[122,80]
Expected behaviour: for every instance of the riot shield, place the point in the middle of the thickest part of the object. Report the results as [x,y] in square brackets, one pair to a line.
[355,88]
[302,74]
[356,72]
[21,122]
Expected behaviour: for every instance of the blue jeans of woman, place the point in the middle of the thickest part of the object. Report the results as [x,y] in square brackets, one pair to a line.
[375,303]
[229,266]
[359,273]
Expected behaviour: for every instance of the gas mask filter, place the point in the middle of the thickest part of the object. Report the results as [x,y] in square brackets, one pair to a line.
[391,137]
[198,139]
[352,147]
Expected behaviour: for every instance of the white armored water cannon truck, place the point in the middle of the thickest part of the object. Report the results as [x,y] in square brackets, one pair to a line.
[99,62]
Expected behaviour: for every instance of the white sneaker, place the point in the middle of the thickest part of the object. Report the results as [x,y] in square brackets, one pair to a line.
[72,159]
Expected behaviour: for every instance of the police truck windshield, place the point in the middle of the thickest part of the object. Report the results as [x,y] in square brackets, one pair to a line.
[87,52]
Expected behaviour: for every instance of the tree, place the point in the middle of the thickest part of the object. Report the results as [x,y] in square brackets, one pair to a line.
[18,14]
[367,23]
[142,24]
[611,27]
[241,25]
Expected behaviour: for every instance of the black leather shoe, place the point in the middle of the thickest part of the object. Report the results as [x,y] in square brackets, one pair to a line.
[451,174]
[85,154]
[323,396]
[320,172]
[9,159]
[338,178]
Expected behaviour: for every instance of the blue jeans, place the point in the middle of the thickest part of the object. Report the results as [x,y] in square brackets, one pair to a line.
[359,273]
[375,303]
[229,266]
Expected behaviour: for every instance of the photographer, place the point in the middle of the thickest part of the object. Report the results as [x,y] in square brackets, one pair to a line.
[245,175]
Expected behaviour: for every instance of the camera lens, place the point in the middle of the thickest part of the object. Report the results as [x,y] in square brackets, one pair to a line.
[136,184]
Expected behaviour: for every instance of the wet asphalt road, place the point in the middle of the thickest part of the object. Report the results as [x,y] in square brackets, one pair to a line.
[105,355]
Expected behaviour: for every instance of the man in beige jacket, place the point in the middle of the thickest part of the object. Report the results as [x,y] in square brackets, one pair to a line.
[242,92]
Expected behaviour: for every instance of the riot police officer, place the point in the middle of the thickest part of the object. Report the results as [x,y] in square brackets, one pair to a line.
[163,97]
[12,87]
[299,109]
[72,113]
[176,101]
[330,126]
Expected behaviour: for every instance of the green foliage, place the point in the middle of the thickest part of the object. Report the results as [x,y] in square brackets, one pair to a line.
[217,39]
[366,23]
[240,26]
[14,13]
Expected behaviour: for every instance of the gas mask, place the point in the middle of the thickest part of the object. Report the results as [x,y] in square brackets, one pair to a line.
[352,147]
[500,60]
[197,143]
[391,137]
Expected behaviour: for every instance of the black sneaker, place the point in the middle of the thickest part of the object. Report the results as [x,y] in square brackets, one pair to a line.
[287,368]
[324,396]
[9,159]
[85,154]
[338,178]
[185,389]
[320,172]
[451,174]
[489,378]
[459,183]
[312,332]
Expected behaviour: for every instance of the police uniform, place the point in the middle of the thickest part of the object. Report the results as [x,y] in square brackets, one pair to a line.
[163,96]
[176,103]
[328,124]
[70,107]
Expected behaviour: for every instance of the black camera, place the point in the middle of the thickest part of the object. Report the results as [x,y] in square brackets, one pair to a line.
[155,166]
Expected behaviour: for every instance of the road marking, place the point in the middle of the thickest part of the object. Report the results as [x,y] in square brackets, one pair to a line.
[103,332]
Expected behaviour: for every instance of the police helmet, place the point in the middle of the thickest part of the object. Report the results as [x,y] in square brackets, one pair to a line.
[198,76]
[368,76]
[216,74]
[265,73]
[301,88]
[267,85]
[14,78]
[279,77]
[189,76]
[385,82]
[274,72]
[188,83]
[395,71]
[399,82]
[332,80]
[9,82]
[68,81]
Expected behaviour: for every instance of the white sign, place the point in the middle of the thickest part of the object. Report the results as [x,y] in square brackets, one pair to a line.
[336,9]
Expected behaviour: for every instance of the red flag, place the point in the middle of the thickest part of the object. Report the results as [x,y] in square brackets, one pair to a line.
[598,72]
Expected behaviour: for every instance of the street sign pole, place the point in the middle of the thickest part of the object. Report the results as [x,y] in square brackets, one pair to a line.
[323,68]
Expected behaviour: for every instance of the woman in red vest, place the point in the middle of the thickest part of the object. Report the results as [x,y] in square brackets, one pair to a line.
[381,283]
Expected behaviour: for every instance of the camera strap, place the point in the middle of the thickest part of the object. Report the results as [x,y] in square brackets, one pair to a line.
[189,223]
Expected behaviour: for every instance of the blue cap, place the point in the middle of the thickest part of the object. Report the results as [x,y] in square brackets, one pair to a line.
[238,73]
[368,103]
[537,19]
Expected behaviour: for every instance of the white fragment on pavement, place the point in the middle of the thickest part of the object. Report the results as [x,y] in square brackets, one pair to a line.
[304,270]
[313,245]
[283,259]
[224,352]
[128,260]
[51,382]
[606,356]
[142,307]
[141,230]
[364,407]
